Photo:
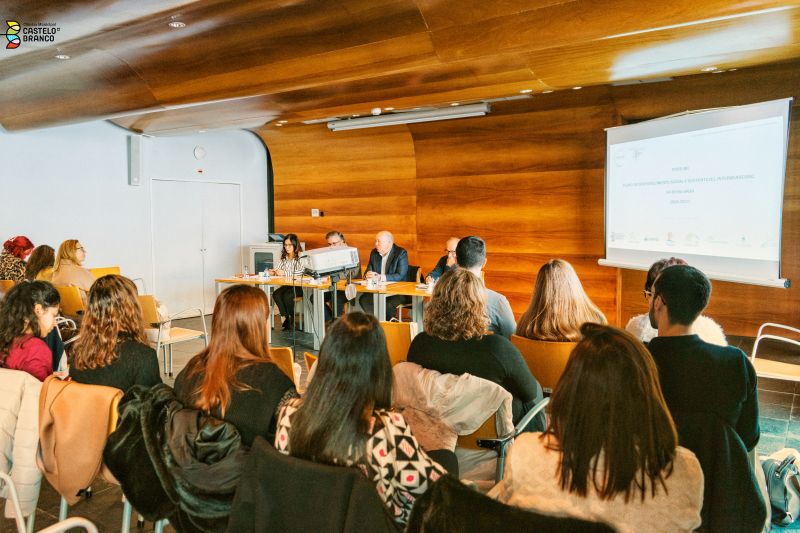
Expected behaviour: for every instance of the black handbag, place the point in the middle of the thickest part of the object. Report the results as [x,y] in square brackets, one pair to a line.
[783,486]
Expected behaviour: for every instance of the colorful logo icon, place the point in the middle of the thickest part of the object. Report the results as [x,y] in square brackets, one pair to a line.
[12,34]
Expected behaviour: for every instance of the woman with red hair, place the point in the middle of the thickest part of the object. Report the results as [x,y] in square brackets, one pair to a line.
[12,259]
[234,378]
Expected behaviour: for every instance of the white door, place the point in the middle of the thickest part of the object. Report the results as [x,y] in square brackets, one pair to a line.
[197,238]
[222,236]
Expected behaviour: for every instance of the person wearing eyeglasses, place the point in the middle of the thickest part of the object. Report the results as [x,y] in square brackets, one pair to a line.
[639,326]
[68,269]
[446,262]
[336,239]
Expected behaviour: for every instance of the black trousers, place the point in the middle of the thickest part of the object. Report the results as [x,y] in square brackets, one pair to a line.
[391,304]
[284,299]
[341,299]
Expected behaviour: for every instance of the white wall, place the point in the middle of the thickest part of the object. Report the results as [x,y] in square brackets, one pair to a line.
[72,182]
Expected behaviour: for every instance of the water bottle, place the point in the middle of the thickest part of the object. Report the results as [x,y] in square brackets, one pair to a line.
[245,271]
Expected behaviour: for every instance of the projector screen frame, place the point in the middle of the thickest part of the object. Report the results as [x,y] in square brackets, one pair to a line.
[779,282]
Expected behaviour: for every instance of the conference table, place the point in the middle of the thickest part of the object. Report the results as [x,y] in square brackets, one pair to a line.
[318,289]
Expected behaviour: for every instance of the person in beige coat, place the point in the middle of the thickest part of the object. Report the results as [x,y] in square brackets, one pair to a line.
[610,453]
[68,271]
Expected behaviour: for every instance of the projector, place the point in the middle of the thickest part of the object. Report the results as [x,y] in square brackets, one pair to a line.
[323,261]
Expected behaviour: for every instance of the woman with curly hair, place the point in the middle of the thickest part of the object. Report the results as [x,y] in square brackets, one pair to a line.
[455,341]
[559,305]
[112,349]
[12,258]
[27,314]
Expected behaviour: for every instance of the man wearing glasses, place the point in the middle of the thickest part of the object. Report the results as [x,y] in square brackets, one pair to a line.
[334,239]
[446,262]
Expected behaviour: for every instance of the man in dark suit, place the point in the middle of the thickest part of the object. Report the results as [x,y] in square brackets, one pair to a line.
[387,262]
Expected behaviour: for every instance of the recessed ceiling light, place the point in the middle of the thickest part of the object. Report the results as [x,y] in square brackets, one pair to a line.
[455,104]
[177,24]
[708,69]
[547,91]
[355,116]
[731,69]
[526,91]
[278,125]
[388,109]
[62,56]
[577,87]
[283,121]
[718,72]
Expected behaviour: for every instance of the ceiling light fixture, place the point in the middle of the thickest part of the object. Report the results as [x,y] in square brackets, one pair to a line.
[62,56]
[454,104]
[177,24]
[708,69]
[547,91]
[577,88]
[388,109]
[446,113]
[526,91]
[283,121]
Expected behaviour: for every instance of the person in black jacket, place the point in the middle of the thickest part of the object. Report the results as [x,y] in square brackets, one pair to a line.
[446,262]
[387,262]
[112,348]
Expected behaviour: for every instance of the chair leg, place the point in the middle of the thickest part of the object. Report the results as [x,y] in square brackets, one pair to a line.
[158,527]
[62,509]
[31,519]
[170,361]
[126,515]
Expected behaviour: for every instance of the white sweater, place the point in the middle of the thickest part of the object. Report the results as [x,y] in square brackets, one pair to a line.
[19,436]
[708,330]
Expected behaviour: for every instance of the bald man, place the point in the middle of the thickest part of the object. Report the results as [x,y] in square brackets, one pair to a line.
[446,262]
[388,262]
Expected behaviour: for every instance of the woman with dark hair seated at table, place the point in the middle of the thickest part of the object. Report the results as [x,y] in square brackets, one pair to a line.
[234,378]
[112,349]
[344,417]
[456,341]
[610,453]
[290,266]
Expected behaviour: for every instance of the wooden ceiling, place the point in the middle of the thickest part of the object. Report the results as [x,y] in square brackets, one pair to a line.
[248,63]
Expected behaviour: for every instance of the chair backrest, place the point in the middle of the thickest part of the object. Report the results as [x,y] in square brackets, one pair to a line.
[71,300]
[149,309]
[545,359]
[104,271]
[283,358]
[310,360]
[6,284]
[414,273]
[488,430]
[398,339]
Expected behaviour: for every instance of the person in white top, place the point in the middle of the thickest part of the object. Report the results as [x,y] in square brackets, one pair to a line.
[290,266]
[639,325]
[610,453]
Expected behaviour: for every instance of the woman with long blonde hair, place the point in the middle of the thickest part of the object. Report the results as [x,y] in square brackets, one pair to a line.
[234,378]
[559,305]
[112,349]
[68,269]
[456,341]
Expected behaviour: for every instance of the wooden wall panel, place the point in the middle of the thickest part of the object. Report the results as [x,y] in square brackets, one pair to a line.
[363,181]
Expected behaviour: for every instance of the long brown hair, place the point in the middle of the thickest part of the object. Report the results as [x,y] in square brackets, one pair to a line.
[43,256]
[113,314]
[608,413]
[353,377]
[559,305]
[239,338]
[458,308]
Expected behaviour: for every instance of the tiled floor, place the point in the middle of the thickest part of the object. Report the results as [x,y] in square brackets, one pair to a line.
[779,403]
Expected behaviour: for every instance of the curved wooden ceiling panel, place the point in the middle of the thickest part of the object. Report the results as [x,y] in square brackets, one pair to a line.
[242,63]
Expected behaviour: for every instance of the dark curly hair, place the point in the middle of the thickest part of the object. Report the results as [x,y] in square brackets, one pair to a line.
[17,312]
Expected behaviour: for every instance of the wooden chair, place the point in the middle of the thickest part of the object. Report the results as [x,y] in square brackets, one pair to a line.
[775,369]
[104,271]
[310,360]
[5,285]
[398,339]
[545,359]
[168,337]
[71,301]
[283,358]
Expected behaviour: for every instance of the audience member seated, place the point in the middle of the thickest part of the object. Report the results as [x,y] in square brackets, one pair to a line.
[698,376]
[640,327]
[345,418]
[387,262]
[446,262]
[27,314]
[559,305]
[455,342]
[471,255]
[12,258]
[234,379]
[336,239]
[68,270]
[112,348]
[40,263]
[610,453]
[289,265]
